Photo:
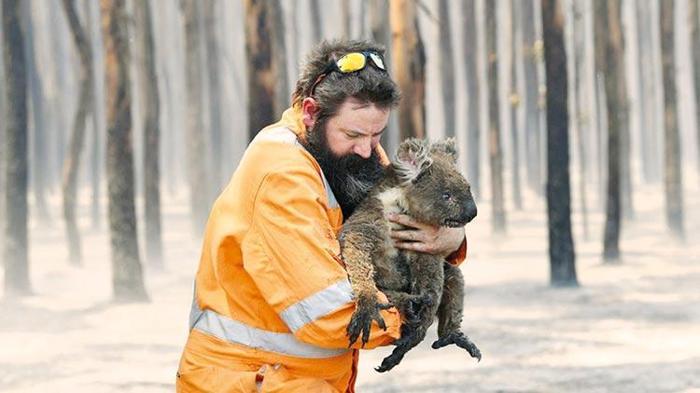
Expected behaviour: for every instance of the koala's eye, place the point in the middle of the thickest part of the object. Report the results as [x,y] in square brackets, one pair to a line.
[446,196]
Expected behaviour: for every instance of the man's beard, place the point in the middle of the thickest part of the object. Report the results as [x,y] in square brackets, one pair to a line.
[350,177]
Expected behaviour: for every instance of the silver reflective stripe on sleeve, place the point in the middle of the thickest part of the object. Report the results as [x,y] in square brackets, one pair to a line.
[237,332]
[195,311]
[317,305]
[332,202]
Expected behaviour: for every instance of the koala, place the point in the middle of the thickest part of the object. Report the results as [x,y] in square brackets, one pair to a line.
[423,182]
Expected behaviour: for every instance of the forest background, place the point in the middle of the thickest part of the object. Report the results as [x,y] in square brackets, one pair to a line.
[577,122]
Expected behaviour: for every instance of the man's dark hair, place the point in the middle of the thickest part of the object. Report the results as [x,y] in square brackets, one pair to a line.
[370,85]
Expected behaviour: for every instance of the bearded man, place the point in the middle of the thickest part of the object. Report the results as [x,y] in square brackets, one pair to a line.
[272,300]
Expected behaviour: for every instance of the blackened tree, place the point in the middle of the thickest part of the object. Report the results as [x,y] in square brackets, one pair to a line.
[562,259]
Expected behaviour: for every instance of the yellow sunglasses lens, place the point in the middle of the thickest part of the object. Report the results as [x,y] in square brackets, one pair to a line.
[351,62]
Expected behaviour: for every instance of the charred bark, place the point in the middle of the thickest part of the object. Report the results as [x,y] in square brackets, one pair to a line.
[151,136]
[261,68]
[673,178]
[693,8]
[316,22]
[39,164]
[213,60]
[583,115]
[515,104]
[532,49]
[495,150]
[345,18]
[279,49]
[408,56]
[195,144]
[561,246]
[378,17]
[97,117]
[71,165]
[127,276]
[447,74]
[15,250]
[615,91]
[469,20]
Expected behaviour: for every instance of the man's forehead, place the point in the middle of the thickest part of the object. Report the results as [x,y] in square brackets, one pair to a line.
[363,118]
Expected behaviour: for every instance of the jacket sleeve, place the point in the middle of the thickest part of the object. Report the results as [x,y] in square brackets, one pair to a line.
[292,255]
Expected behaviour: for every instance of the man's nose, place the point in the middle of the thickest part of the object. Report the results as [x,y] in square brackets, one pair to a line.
[363,149]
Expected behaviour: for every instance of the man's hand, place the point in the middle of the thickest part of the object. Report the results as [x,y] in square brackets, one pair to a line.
[429,239]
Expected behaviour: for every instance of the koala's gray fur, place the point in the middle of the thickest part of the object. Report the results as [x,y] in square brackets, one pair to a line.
[424,183]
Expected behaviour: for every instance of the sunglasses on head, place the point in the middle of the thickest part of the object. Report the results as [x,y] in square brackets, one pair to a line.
[349,63]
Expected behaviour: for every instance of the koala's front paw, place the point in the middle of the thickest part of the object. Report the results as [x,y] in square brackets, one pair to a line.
[458,338]
[361,321]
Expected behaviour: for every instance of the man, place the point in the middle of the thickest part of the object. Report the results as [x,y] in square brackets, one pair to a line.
[272,300]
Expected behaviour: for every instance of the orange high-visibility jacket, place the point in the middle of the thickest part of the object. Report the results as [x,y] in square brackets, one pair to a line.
[272,299]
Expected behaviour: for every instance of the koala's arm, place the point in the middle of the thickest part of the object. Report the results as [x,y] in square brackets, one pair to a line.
[360,242]
[293,257]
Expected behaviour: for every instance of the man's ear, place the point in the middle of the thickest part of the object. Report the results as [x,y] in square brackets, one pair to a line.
[446,148]
[412,157]
[309,112]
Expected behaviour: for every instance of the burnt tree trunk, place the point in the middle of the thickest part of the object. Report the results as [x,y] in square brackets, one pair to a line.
[611,29]
[127,276]
[532,50]
[469,20]
[562,260]
[447,74]
[495,153]
[380,29]
[59,43]
[279,49]
[673,178]
[643,71]
[515,104]
[213,60]
[2,136]
[15,250]
[626,203]
[195,143]
[583,115]
[261,67]
[600,39]
[38,164]
[408,67]
[316,21]
[97,114]
[694,6]
[151,136]
[71,165]
[345,19]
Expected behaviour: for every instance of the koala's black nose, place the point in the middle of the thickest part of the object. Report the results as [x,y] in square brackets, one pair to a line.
[469,211]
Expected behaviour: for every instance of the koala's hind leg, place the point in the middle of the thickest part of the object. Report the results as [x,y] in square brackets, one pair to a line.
[409,305]
[450,313]
[428,281]
[452,302]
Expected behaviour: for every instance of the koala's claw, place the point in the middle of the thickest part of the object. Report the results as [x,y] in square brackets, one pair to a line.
[460,340]
[361,321]
[389,362]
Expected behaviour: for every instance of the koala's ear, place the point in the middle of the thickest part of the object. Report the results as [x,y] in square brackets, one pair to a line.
[412,157]
[446,148]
